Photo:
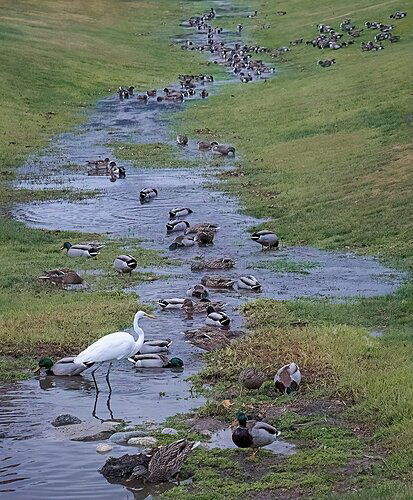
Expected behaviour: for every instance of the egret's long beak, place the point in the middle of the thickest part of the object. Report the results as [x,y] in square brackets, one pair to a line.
[150,316]
[37,370]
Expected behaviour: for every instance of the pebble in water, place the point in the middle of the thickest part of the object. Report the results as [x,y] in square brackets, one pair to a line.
[104,448]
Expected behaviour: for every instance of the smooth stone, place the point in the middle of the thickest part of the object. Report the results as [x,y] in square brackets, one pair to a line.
[169,430]
[104,448]
[65,419]
[129,428]
[143,442]
[87,431]
[123,437]
[206,433]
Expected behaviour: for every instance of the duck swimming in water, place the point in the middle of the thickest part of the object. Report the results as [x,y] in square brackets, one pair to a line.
[63,367]
[155,361]
[147,194]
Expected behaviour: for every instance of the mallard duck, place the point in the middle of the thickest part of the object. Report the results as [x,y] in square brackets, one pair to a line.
[177,225]
[177,212]
[142,97]
[81,250]
[125,264]
[252,378]
[223,263]
[249,283]
[151,93]
[99,163]
[201,307]
[203,94]
[202,226]
[253,434]
[288,378]
[398,15]
[326,63]
[281,12]
[210,338]
[198,291]
[171,303]
[63,367]
[267,239]
[217,281]
[215,318]
[223,150]
[154,346]
[205,237]
[182,242]
[62,277]
[148,193]
[166,462]
[155,361]
[182,140]
[206,145]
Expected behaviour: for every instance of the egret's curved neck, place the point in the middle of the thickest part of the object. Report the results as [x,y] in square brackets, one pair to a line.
[140,333]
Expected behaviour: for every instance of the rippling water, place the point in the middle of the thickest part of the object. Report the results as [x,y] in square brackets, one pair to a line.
[35,462]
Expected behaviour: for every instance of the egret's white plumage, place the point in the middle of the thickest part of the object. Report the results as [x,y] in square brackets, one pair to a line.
[114,346]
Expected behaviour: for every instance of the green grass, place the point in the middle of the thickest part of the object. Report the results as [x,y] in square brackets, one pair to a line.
[325,152]
[155,154]
[284,265]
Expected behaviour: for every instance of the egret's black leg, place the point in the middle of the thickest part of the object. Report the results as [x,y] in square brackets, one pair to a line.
[94,379]
[107,378]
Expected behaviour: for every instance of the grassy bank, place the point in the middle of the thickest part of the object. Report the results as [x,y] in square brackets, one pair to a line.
[325,153]
[57,58]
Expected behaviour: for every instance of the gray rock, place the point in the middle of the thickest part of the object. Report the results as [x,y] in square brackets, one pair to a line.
[66,419]
[143,442]
[104,448]
[87,431]
[123,437]
[129,428]
[169,430]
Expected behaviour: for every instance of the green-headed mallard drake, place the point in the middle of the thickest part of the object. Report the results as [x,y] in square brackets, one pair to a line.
[81,250]
[223,150]
[198,291]
[155,361]
[173,303]
[177,225]
[63,367]
[147,194]
[206,145]
[155,346]
[177,212]
[249,283]
[182,140]
[62,277]
[253,434]
[215,318]
[182,242]
[267,239]
[288,378]
[252,378]
[125,264]
[223,263]
[165,462]
[217,281]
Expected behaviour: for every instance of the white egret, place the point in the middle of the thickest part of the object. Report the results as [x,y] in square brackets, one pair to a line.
[113,347]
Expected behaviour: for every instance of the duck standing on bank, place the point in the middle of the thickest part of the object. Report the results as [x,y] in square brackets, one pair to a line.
[87,250]
[125,264]
[253,434]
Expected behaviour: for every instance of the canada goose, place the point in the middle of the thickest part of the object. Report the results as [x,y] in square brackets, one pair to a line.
[398,15]
[326,63]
